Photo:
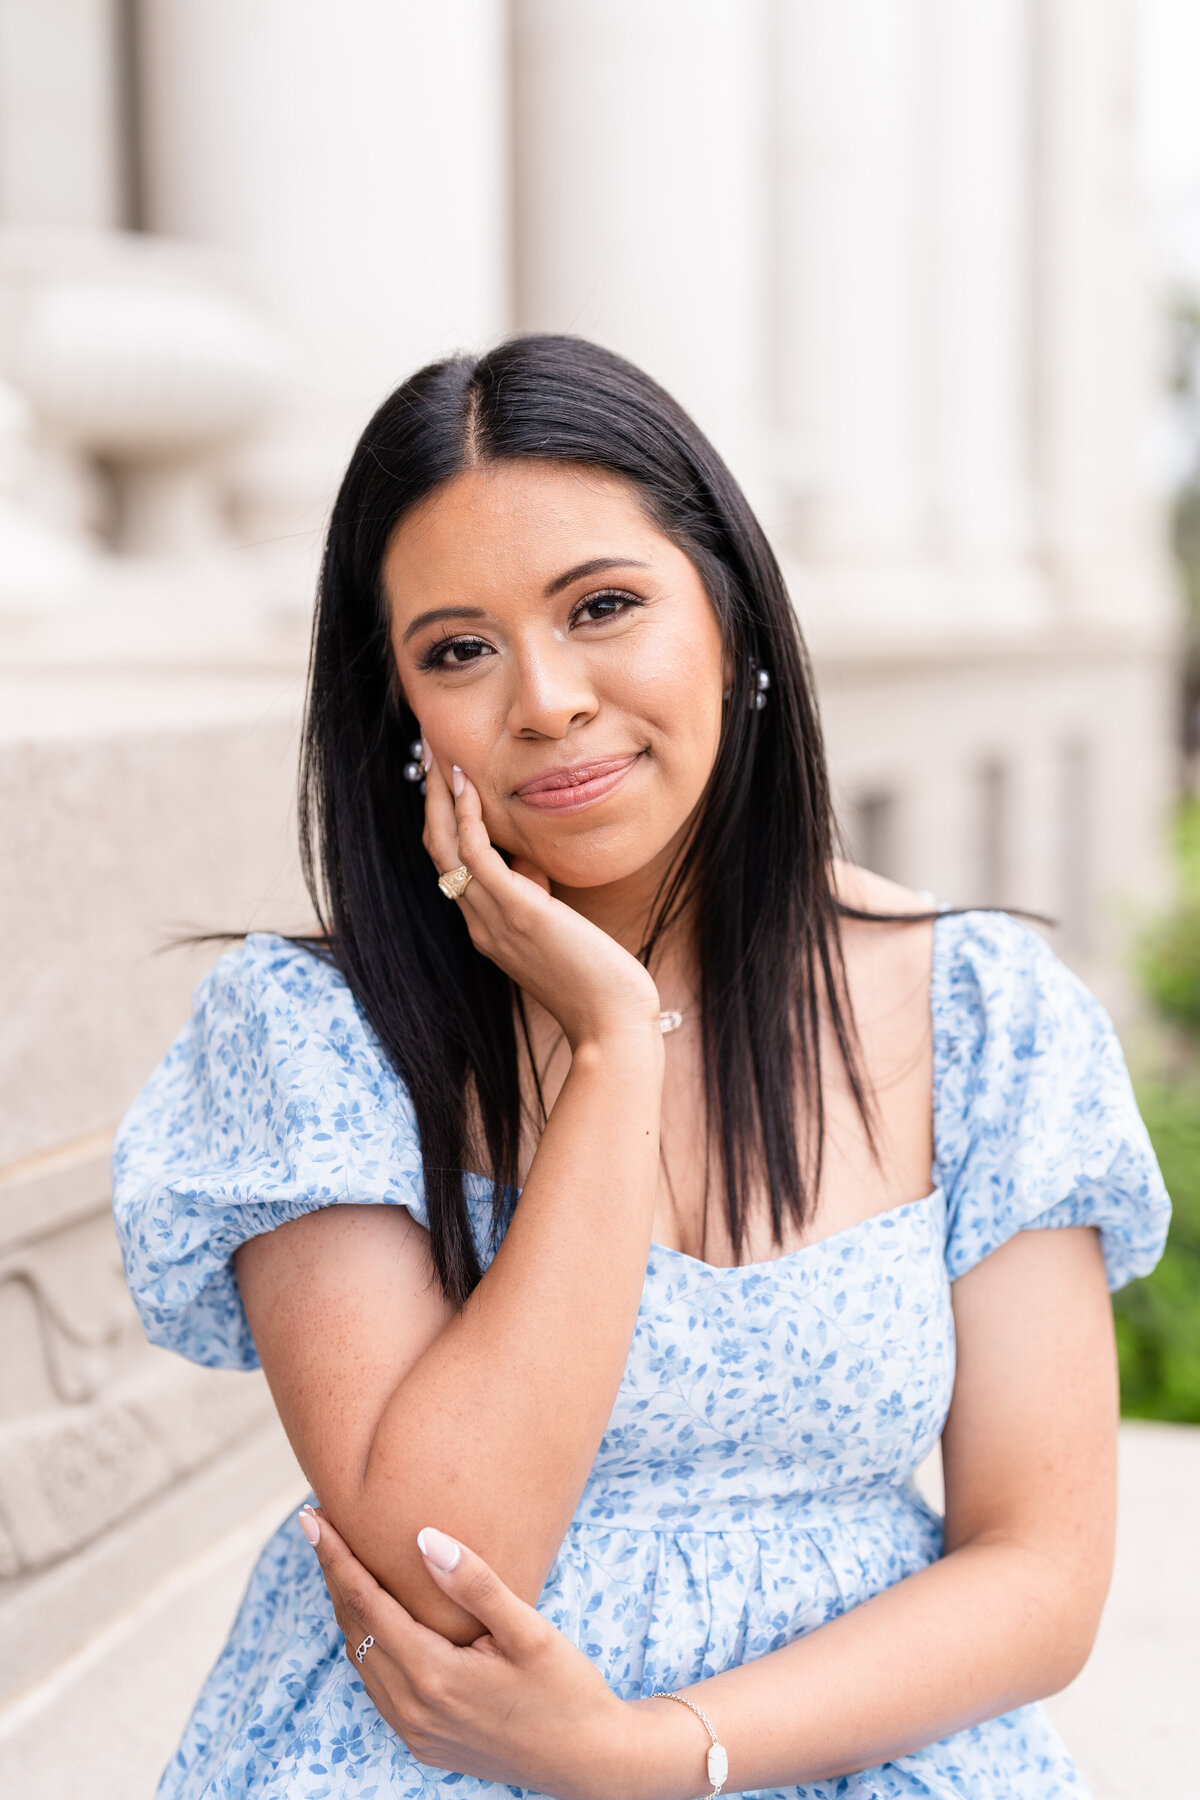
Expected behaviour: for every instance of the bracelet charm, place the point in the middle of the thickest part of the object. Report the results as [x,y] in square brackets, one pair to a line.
[717,1762]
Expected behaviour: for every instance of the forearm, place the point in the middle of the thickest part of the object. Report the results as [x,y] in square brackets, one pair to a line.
[988,1628]
[491,1434]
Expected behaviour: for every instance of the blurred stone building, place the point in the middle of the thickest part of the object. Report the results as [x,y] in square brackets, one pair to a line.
[885,250]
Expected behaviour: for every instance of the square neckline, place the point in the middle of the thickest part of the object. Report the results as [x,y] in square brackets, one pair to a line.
[786,1256]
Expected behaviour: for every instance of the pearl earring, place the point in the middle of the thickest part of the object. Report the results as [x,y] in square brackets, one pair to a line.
[415,770]
[758,697]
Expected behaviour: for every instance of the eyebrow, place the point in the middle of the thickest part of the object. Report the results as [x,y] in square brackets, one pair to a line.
[593,567]
[438,613]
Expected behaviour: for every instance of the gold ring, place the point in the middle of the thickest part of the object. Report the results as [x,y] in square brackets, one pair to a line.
[454,882]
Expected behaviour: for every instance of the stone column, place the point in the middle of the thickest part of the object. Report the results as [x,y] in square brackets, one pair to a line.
[354,156]
[847,103]
[640,151]
[61,143]
[1093,340]
[981,175]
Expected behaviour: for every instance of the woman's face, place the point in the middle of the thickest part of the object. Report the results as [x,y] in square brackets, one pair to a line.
[564,653]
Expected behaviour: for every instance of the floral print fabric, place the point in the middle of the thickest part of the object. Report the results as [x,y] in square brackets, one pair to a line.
[756,1477]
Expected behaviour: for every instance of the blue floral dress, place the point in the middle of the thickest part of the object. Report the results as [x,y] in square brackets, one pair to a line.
[756,1478]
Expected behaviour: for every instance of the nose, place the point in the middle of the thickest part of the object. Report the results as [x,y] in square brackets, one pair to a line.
[552,691]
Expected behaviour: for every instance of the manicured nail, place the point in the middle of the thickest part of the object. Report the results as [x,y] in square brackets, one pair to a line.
[310,1525]
[457,779]
[437,1548]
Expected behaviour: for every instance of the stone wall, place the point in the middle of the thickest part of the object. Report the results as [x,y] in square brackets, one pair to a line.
[130,809]
[1030,769]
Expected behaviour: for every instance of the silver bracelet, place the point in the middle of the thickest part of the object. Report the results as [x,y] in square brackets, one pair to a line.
[718,1758]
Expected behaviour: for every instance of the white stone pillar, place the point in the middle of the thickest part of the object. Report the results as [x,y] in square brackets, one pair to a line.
[980,177]
[61,126]
[640,172]
[353,154]
[847,103]
[1093,375]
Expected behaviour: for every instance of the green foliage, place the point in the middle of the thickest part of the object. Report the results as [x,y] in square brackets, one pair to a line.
[1170,965]
[1184,326]
[1186,845]
[1169,959]
[1158,1319]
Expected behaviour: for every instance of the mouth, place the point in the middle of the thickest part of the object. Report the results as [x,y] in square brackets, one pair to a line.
[580,784]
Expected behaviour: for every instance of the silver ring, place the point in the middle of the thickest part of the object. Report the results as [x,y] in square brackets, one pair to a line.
[361,1652]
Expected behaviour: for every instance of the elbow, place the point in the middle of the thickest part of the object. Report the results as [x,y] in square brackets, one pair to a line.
[402,1574]
[377,1517]
[430,1607]
[1071,1639]
[382,1535]
[379,1513]
[1046,1603]
[1068,1604]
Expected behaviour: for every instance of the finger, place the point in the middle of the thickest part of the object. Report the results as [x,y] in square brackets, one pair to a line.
[516,1627]
[475,847]
[446,814]
[440,836]
[465,842]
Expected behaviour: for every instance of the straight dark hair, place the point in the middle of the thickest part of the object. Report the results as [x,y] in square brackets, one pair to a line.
[754,873]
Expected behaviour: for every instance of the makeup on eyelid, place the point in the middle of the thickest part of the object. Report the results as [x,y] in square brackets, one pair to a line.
[436,656]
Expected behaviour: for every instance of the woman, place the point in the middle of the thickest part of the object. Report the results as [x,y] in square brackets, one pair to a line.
[787,1144]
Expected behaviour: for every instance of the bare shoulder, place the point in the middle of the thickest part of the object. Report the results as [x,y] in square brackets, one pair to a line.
[888,957]
[875,893]
[888,961]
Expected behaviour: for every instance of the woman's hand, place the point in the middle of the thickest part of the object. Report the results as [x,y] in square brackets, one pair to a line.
[583,977]
[520,1705]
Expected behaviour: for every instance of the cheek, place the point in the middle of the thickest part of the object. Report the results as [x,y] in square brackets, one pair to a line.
[458,729]
[683,707]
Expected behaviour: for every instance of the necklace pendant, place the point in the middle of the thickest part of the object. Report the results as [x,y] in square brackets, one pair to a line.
[669,1021]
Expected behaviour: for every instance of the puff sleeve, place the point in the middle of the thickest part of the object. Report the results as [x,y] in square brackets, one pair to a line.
[274,1100]
[1035,1120]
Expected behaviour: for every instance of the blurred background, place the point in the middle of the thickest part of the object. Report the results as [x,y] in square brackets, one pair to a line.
[928,272]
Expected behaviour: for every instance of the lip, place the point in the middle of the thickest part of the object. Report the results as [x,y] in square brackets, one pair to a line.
[578,784]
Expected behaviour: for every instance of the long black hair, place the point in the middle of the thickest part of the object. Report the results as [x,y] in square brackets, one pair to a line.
[754,874]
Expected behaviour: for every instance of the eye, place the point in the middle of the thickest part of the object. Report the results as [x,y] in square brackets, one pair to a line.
[455,653]
[608,605]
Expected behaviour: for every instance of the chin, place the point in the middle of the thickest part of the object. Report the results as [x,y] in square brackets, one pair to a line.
[596,875]
[584,864]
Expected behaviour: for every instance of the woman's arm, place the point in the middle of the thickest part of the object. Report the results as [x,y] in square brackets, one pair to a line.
[1009,1614]
[401,1412]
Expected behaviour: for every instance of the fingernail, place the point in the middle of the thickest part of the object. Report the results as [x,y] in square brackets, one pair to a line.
[457,779]
[437,1548]
[310,1525]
